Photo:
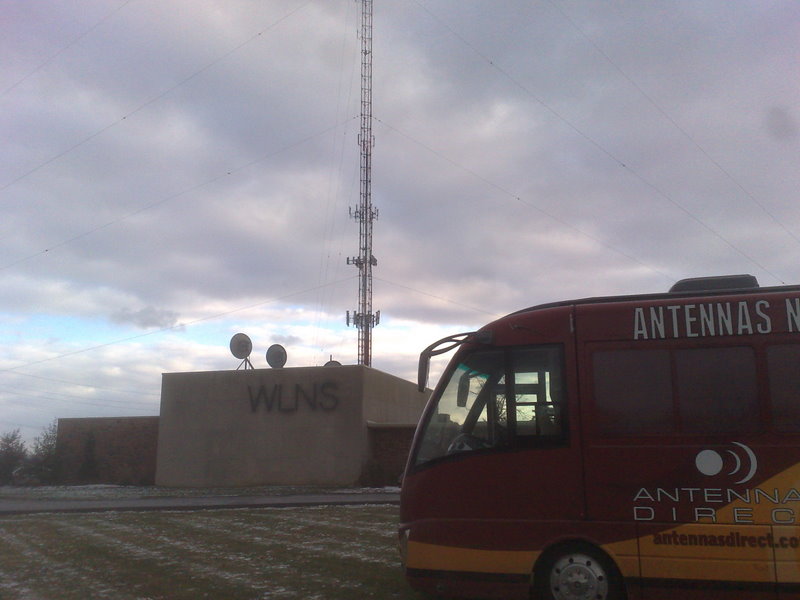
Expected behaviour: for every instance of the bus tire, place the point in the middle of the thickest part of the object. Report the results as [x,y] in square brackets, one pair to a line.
[577,571]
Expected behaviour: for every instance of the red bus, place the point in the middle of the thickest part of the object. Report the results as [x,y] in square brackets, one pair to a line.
[630,447]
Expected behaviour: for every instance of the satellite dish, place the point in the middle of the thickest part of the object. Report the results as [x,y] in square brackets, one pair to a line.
[276,356]
[241,346]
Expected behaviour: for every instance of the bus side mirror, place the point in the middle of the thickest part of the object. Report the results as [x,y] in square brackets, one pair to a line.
[422,371]
[440,347]
[463,390]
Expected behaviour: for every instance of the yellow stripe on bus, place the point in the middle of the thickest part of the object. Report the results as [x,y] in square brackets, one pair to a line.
[435,557]
[709,552]
[626,554]
[787,553]
[708,570]
[686,551]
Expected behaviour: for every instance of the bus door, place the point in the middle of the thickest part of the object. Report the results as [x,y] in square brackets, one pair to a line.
[500,430]
[496,469]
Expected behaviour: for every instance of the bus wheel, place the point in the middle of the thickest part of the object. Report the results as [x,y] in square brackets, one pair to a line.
[577,572]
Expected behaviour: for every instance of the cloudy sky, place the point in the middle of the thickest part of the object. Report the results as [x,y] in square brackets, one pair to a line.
[172,173]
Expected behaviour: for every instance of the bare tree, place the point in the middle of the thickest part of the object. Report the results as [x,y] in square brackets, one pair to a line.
[12,455]
[44,459]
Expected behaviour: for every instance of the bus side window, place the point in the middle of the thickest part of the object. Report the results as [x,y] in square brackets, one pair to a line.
[783,363]
[632,392]
[717,390]
[537,393]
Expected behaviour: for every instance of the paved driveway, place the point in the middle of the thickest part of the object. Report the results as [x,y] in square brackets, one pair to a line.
[21,506]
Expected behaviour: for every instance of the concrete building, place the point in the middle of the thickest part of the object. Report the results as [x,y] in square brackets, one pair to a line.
[342,425]
[298,426]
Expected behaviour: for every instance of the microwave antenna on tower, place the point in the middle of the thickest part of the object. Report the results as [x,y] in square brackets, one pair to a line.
[363,318]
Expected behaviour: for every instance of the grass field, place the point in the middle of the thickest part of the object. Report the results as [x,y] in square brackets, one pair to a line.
[326,552]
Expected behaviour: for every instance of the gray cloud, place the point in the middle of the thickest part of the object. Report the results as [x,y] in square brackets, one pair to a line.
[780,124]
[175,162]
[146,318]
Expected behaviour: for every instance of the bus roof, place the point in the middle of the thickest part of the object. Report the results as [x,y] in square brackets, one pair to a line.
[721,285]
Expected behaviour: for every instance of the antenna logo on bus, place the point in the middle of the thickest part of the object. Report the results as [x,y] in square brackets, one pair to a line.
[736,505]
[711,462]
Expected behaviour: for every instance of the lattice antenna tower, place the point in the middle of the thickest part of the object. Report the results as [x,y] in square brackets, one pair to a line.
[363,318]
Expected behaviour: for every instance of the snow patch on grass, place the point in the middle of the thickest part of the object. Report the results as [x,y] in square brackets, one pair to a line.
[329,553]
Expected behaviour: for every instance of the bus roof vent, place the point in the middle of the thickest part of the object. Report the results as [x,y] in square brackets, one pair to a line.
[713,284]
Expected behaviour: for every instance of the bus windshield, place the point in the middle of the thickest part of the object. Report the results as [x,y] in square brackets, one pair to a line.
[468,415]
[478,409]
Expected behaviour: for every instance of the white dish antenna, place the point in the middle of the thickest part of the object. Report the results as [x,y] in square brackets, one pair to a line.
[241,347]
[276,356]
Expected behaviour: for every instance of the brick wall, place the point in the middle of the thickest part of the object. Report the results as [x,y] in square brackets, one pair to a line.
[122,451]
[117,450]
[389,446]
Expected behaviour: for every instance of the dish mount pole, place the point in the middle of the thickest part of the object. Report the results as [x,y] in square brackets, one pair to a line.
[363,318]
